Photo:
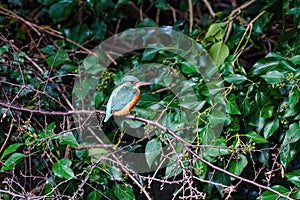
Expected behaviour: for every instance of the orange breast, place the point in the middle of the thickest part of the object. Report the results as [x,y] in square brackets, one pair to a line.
[129,106]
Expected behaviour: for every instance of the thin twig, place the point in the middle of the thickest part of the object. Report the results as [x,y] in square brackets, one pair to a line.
[210,10]
[191,15]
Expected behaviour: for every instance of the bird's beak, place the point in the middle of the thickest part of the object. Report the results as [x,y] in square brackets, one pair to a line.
[138,84]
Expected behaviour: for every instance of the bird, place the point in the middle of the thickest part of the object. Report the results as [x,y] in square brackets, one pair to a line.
[124,97]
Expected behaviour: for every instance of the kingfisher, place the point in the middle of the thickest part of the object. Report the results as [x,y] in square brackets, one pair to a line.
[124,97]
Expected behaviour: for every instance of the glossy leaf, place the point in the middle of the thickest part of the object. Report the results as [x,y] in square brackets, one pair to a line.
[288,153]
[235,78]
[123,192]
[292,134]
[152,151]
[294,177]
[267,111]
[11,149]
[94,195]
[274,77]
[216,28]
[268,195]
[237,166]
[69,139]
[256,137]
[231,106]
[219,52]
[62,169]
[12,161]
[271,127]
[173,168]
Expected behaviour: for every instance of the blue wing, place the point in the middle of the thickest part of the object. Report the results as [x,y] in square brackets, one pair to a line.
[120,97]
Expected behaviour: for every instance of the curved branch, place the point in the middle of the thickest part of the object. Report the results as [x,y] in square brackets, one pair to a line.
[188,146]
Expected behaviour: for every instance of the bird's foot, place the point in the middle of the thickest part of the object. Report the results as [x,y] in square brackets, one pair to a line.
[135,116]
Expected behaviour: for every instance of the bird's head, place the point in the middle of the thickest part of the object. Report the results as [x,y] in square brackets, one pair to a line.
[133,81]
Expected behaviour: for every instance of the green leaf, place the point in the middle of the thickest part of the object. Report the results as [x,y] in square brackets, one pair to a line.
[235,78]
[78,33]
[161,4]
[295,60]
[61,10]
[267,111]
[12,161]
[62,168]
[271,127]
[264,65]
[256,137]
[292,134]
[69,139]
[237,166]
[51,126]
[293,98]
[99,29]
[173,168]
[268,195]
[216,28]
[99,98]
[12,148]
[189,68]
[288,153]
[57,59]
[116,174]
[219,52]
[94,195]
[245,106]
[294,11]
[217,117]
[97,153]
[231,106]
[124,192]
[152,151]
[294,177]
[274,77]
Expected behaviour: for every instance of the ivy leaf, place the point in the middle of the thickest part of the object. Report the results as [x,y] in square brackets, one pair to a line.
[274,77]
[293,98]
[12,148]
[173,168]
[268,195]
[61,10]
[124,192]
[294,177]
[152,151]
[189,68]
[237,166]
[267,111]
[271,127]
[231,106]
[94,195]
[62,168]
[288,153]
[264,65]
[216,30]
[235,78]
[12,161]
[292,134]
[55,60]
[161,4]
[219,52]
[256,137]
[245,106]
[69,139]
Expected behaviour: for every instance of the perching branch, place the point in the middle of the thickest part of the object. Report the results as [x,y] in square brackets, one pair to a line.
[189,147]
